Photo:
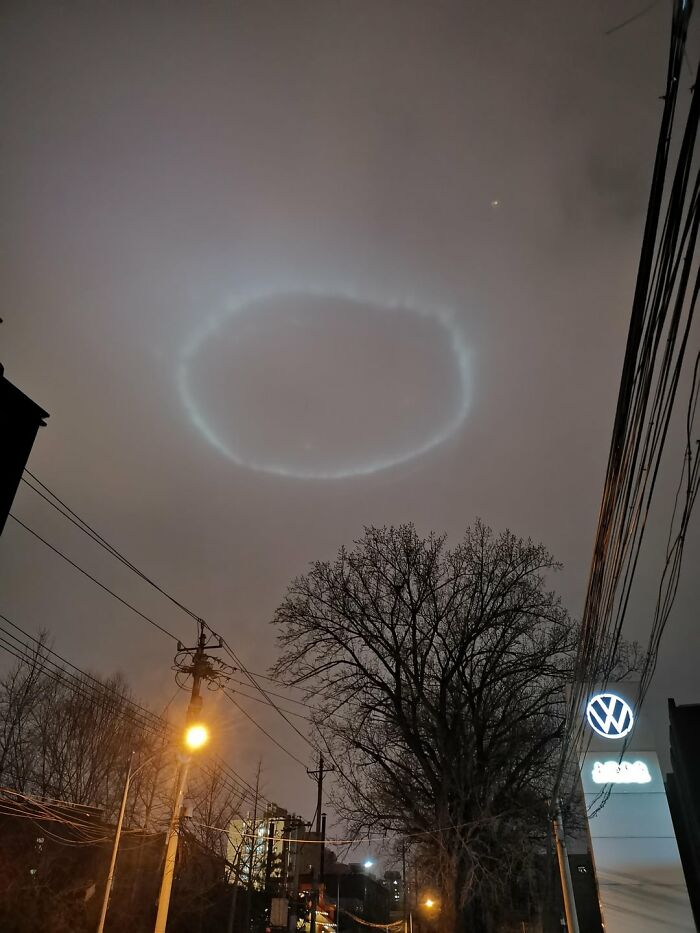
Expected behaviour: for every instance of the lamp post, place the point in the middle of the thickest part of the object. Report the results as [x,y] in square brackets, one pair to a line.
[117,838]
[196,736]
[367,865]
[337,903]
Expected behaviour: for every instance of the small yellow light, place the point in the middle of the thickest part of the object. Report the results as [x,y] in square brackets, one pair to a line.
[429,902]
[196,736]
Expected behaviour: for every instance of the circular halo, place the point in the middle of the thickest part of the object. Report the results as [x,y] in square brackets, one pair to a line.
[211,326]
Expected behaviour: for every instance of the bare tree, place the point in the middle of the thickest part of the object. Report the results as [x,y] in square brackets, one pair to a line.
[439,677]
[20,689]
[70,737]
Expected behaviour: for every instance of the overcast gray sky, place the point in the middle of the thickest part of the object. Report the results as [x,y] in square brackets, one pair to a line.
[249,246]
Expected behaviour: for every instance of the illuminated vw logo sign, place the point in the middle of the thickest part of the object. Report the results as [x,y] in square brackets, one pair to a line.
[609,715]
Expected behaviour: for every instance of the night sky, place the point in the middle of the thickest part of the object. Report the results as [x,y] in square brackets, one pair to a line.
[280,270]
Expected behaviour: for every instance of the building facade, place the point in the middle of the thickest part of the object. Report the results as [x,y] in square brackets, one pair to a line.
[683,789]
[261,851]
[640,880]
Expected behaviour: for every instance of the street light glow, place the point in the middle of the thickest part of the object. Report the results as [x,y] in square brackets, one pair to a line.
[368,864]
[429,902]
[196,736]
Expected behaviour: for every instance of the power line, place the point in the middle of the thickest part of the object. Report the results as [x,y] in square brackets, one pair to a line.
[265,703]
[45,650]
[67,512]
[657,340]
[279,695]
[85,573]
[260,689]
[262,729]
[138,715]
[80,523]
[71,515]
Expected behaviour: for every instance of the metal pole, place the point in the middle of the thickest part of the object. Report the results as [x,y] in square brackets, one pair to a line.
[297,865]
[315,879]
[199,671]
[115,849]
[314,898]
[319,797]
[171,850]
[337,905]
[322,858]
[234,893]
[403,886]
[567,887]
[253,852]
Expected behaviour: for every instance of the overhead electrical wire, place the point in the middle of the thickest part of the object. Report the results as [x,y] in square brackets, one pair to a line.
[88,529]
[71,515]
[658,336]
[231,780]
[150,722]
[82,683]
[103,586]
[262,728]
[44,650]
[289,712]
[278,695]
[251,678]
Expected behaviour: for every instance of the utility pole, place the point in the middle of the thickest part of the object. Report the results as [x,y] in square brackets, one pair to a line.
[200,669]
[268,861]
[403,886]
[298,831]
[337,903]
[234,893]
[319,798]
[322,857]
[253,850]
[565,874]
[115,849]
[317,879]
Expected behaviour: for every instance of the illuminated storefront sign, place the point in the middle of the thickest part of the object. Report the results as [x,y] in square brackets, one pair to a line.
[609,715]
[639,877]
[620,772]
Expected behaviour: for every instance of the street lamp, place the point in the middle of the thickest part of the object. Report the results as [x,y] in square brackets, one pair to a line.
[196,737]
[367,865]
[130,775]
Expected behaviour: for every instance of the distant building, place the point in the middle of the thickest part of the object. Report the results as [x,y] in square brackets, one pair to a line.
[393,883]
[358,894]
[261,849]
[635,861]
[683,790]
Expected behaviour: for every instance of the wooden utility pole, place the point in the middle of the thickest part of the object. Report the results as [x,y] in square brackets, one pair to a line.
[317,878]
[253,850]
[234,892]
[199,669]
[404,892]
[298,832]
[268,861]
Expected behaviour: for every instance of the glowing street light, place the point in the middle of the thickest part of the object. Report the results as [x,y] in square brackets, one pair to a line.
[368,863]
[196,736]
[429,902]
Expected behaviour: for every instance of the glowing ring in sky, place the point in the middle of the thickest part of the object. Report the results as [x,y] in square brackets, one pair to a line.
[213,325]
